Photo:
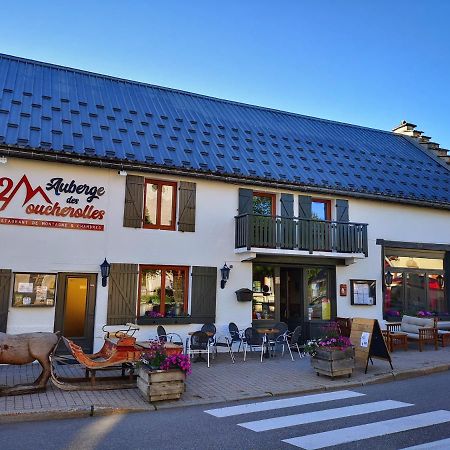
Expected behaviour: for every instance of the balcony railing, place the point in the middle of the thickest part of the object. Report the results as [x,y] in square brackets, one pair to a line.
[294,233]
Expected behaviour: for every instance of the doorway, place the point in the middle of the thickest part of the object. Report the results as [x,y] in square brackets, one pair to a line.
[291,298]
[75,308]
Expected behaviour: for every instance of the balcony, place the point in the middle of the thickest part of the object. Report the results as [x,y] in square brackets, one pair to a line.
[294,235]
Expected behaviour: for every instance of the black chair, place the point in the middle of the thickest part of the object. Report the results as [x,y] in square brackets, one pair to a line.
[277,338]
[209,328]
[235,334]
[168,337]
[199,343]
[292,342]
[253,340]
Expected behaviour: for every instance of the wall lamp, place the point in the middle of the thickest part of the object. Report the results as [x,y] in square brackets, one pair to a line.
[440,280]
[105,269]
[388,278]
[225,273]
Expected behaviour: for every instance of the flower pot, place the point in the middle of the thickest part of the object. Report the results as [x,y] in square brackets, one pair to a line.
[334,362]
[157,385]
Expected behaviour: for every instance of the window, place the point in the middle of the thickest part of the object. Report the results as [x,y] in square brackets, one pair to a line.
[264,204]
[416,284]
[160,204]
[318,299]
[263,292]
[163,291]
[320,209]
[34,289]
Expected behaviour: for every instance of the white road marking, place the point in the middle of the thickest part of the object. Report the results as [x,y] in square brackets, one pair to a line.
[444,444]
[370,430]
[283,403]
[319,416]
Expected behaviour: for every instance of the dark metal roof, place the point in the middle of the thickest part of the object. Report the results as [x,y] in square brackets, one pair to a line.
[58,110]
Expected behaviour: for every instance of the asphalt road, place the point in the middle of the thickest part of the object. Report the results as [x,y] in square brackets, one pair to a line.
[368,418]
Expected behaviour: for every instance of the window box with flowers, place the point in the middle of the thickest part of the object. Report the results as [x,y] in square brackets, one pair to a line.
[162,376]
[332,355]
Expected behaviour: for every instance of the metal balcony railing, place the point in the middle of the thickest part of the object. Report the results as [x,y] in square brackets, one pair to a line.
[294,233]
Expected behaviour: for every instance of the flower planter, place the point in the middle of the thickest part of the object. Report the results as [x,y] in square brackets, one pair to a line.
[334,362]
[157,385]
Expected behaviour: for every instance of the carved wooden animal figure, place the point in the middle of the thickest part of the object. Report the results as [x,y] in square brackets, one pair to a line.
[25,348]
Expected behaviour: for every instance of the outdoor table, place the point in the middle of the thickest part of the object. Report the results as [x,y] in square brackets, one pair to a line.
[199,357]
[266,332]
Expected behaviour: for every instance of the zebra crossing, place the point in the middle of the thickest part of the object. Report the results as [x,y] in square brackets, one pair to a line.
[346,435]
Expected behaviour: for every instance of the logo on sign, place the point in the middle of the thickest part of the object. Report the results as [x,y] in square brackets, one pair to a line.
[36,201]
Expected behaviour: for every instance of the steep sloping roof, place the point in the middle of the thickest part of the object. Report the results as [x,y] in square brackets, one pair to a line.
[53,109]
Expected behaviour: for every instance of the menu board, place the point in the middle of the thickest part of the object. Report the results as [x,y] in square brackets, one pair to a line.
[34,289]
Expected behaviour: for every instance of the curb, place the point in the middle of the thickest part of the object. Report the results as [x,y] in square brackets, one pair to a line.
[73,413]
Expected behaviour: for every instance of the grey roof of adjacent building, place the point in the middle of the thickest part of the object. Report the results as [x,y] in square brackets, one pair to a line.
[49,111]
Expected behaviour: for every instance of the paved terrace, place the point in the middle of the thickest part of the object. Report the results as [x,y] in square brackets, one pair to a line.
[223,381]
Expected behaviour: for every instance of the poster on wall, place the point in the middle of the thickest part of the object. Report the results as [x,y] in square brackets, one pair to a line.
[34,289]
[363,292]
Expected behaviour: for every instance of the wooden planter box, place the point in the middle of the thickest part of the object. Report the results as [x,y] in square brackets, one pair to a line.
[334,363]
[160,385]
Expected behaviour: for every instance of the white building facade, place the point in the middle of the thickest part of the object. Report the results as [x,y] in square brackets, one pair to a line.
[305,253]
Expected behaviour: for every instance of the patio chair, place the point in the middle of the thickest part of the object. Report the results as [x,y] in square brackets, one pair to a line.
[198,344]
[236,335]
[168,337]
[291,342]
[278,338]
[253,340]
[224,341]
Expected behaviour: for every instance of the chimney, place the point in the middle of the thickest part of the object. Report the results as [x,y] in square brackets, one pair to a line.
[409,129]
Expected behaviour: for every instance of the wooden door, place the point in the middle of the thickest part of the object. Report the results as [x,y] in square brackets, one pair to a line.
[75,308]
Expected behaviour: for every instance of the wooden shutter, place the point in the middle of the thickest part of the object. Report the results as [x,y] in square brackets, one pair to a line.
[5,291]
[203,294]
[245,201]
[287,222]
[122,294]
[341,210]
[186,207]
[304,207]
[287,205]
[134,202]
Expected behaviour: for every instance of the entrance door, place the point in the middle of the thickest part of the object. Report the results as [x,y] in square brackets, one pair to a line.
[75,306]
[291,301]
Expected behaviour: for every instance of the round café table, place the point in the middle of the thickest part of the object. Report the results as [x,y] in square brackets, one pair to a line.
[266,332]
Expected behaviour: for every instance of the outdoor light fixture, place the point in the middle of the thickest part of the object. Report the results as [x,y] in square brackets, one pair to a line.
[225,272]
[122,173]
[3,159]
[105,268]
[388,278]
[440,280]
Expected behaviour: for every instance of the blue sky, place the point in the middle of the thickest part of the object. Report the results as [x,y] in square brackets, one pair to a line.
[371,63]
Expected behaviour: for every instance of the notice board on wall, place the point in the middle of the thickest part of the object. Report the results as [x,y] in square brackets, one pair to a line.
[368,341]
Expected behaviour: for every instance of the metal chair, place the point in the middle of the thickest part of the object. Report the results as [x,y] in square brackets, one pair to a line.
[198,344]
[278,338]
[209,328]
[224,341]
[168,337]
[291,342]
[236,335]
[253,339]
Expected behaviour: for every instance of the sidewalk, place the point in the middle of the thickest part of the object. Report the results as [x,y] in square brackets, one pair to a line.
[223,381]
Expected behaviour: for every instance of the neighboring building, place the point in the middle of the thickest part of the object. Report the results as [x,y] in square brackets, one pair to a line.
[169,186]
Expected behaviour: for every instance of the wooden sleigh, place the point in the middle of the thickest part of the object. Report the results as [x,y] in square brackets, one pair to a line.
[119,353]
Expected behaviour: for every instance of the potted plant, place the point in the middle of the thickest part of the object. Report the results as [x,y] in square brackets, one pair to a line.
[332,355]
[162,377]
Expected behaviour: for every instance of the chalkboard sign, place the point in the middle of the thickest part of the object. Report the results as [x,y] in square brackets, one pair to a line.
[368,341]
